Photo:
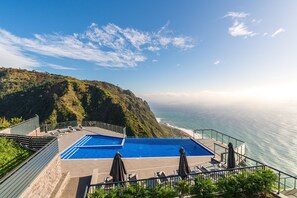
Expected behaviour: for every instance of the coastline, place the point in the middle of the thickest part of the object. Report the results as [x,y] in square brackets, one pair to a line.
[175,129]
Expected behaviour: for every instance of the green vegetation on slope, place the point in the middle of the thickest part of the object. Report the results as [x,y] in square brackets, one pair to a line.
[12,155]
[5,123]
[57,98]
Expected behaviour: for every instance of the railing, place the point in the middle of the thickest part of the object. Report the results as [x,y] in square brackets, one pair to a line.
[239,145]
[15,182]
[170,180]
[59,125]
[285,181]
[218,136]
[64,125]
[111,127]
[24,128]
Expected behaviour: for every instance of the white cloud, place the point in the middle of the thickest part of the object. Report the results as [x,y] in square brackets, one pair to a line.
[256,21]
[60,67]
[270,94]
[10,56]
[110,46]
[265,34]
[154,60]
[240,29]
[280,30]
[217,62]
[237,14]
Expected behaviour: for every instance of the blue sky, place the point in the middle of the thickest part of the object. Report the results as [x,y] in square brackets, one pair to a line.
[161,50]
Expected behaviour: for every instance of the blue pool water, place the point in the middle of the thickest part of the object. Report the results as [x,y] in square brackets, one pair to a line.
[98,146]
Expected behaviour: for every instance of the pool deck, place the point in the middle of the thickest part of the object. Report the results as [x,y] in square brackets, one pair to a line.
[143,167]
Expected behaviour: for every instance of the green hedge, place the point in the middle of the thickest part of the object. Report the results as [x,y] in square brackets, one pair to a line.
[244,184]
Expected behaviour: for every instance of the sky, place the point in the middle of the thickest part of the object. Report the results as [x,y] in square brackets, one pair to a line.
[161,50]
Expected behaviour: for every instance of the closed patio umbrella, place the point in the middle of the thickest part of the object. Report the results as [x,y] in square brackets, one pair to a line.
[231,156]
[183,168]
[118,170]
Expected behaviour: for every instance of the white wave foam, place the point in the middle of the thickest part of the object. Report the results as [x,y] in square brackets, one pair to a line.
[158,120]
[187,131]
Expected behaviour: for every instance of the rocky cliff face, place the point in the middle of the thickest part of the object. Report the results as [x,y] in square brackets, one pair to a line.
[57,98]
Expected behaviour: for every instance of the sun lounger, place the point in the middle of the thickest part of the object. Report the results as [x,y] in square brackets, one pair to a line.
[79,126]
[54,133]
[108,179]
[132,178]
[162,176]
[71,128]
[62,132]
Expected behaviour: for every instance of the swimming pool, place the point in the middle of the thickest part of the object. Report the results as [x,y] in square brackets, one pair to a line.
[99,146]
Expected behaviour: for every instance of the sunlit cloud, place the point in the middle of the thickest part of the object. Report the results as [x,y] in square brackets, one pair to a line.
[262,94]
[60,67]
[278,31]
[109,46]
[11,56]
[217,62]
[240,29]
[237,14]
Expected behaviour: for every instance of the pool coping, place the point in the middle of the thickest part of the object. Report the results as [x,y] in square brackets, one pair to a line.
[83,137]
[138,157]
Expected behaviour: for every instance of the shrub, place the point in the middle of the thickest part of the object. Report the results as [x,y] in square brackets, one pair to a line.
[262,181]
[162,192]
[5,123]
[203,188]
[182,188]
[229,186]
[250,184]
[14,121]
[136,191]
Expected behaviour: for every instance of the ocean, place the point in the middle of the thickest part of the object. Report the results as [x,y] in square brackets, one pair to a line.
[269,132]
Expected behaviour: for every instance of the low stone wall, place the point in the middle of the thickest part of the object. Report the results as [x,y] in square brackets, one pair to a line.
[45,183]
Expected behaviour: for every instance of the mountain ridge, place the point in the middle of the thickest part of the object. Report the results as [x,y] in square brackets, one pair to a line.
[57,98]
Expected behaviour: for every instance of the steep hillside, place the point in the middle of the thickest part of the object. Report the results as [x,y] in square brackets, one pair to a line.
[57,98]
